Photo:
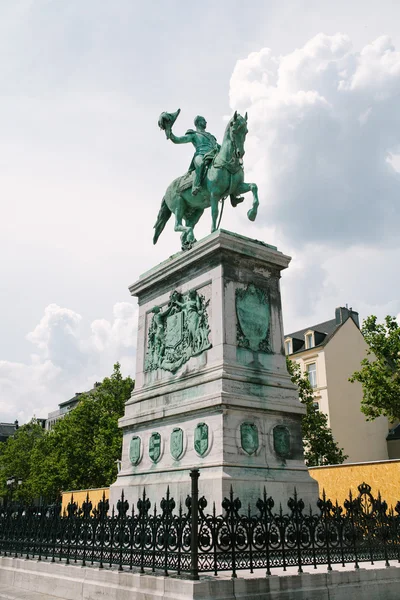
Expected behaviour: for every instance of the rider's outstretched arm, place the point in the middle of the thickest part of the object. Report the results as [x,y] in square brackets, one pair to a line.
[183,139]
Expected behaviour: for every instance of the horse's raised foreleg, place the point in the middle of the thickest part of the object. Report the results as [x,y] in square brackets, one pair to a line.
[187,236]
[193,219]
[214,199]
[250,187]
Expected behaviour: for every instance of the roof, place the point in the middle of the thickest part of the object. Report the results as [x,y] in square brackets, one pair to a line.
[323,332]
[327,327]
[75,399]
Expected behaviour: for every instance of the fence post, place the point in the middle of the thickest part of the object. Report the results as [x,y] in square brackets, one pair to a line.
[194,538]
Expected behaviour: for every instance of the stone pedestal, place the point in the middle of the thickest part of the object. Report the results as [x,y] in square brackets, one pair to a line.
[212,390]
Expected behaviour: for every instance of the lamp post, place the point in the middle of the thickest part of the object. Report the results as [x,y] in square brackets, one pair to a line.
[12,484]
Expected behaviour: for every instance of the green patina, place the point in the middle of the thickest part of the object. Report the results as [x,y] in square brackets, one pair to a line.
[282,445]
[134,450]
[176,443]
[253,319]
[177,332]
[215,173]
[155,446]
[249,437]
[201,438]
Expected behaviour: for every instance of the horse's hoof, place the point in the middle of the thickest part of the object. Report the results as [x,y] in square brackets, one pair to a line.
[187,245]
[252,214]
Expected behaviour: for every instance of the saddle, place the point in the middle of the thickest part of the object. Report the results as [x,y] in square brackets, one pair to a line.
[186,182]
[187,179]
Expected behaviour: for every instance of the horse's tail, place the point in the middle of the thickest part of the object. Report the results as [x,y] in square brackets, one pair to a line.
[162,218]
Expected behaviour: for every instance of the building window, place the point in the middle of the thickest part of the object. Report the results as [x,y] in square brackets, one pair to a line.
[315,405]
[288,347]
[312,374]
[309,340]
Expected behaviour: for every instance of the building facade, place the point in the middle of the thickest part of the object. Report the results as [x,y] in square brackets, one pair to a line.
[7,430]
[329,353]
[65,407]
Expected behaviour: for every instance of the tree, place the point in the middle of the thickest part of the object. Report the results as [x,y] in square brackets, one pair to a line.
[16,459]
[319,445]
[380,378]
[82,449]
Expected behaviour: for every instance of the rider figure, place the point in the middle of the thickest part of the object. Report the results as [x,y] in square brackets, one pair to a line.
[206,148]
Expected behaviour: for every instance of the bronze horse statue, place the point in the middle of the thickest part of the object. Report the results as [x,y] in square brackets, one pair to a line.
[224,177]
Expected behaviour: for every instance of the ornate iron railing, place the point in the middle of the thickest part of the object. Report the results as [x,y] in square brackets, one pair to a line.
[189,540]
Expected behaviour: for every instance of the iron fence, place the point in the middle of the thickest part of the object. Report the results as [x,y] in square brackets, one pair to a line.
[192,539]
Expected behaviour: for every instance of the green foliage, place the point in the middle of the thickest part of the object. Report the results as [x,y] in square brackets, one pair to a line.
[82,448]
[16,458]
[380,378]
[319,445]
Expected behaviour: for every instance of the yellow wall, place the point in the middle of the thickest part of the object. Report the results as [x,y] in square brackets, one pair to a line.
[383,477]
[95,495]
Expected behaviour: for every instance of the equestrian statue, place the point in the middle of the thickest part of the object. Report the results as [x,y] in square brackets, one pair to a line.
[215,173]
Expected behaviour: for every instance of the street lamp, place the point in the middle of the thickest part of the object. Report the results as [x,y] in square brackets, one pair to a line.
[12,484]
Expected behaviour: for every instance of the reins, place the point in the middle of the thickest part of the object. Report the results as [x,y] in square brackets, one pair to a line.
[232,166]
[221,211]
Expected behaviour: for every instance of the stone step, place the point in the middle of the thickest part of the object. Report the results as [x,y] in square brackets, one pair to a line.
[14,593]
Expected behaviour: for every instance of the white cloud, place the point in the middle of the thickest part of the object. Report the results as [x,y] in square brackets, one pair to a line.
[66,360]
[324,147]
[57,337]
[323,121]
[120,333]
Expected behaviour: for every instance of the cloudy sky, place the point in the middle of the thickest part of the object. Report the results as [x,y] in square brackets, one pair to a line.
[83,165]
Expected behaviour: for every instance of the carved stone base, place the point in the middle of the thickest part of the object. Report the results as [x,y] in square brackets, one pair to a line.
[226,405]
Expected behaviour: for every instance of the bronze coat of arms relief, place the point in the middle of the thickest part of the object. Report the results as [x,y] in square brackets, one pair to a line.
[155,446]
[135,450]
[177,332]
[176,443]
[201,441]
[282,442]
[249,437]
[253,319]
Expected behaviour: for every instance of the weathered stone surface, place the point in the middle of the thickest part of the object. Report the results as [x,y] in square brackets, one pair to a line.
[32,580]
[228,398]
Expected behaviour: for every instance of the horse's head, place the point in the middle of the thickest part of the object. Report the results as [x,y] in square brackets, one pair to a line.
[237,131]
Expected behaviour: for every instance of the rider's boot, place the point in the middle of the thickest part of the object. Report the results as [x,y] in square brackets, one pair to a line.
[197,180]
[235,200]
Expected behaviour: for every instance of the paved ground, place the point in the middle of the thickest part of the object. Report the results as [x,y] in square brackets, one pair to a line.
[11,593]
